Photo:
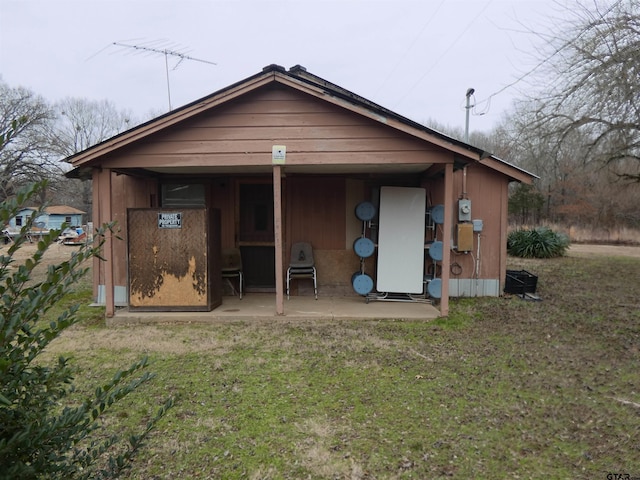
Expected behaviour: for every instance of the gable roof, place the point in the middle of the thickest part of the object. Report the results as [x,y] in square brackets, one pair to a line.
[57,210]
[299,78]
[63,210]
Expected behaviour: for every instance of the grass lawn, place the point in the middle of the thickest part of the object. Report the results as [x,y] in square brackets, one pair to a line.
[502,388]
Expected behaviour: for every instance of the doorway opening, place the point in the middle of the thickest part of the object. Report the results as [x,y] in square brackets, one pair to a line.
[256,236]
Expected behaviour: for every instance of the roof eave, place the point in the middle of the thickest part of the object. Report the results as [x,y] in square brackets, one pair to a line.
[297,77]
[512,171]
[168,119]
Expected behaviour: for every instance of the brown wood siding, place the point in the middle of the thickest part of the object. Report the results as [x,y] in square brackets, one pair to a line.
[244,131]
[223,198]
[127,192]
[316,212]
[487,191]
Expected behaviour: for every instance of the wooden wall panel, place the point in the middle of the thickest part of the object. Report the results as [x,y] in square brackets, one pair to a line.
[250,126]
[487,191]
[120,197]
[315,212]
[223,198]
[127,192]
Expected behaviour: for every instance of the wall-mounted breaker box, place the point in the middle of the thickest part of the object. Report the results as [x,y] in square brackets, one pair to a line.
[464,210]
[465,237]
[477,225]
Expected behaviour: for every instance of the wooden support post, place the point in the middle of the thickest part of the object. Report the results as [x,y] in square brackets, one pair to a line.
[277,225]
[97,222]
[446,240]
[107,251]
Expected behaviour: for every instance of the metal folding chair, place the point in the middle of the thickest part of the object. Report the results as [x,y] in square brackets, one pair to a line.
[232,266]
[302,265]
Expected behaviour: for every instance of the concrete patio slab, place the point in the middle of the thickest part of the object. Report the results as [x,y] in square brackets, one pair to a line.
[261,306]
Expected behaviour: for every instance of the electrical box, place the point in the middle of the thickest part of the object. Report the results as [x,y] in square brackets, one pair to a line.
[465,237]
[477,225]
[464,210]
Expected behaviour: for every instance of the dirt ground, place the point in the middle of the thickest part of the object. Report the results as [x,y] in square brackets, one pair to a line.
[55,254]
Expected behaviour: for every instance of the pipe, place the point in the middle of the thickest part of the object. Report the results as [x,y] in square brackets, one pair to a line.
[477,269]
[470,92]
[464,182]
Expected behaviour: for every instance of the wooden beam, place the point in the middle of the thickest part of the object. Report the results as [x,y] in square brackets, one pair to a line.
[446,240]
[277,225]
[96,218]
[107,251]
[433,170]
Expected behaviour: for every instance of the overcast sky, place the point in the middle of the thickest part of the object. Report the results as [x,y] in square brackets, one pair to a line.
[417,58]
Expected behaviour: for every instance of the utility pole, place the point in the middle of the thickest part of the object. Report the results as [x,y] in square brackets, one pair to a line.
[470,92]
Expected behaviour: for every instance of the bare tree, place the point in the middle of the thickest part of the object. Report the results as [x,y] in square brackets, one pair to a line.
[80,124]
[24,157]
[591,78]
[43,135]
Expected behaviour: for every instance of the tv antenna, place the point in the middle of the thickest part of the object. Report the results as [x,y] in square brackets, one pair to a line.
[170,50]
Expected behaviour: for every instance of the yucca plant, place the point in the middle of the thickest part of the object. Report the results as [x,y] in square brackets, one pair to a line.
[541,242]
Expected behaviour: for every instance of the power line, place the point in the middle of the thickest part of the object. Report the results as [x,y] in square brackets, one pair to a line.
[453,44]
[408,49]
[556,51]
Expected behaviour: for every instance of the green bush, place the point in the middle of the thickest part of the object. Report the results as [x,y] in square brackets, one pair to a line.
[43,433]
[539,242]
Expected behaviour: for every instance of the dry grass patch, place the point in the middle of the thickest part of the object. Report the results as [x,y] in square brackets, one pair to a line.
[320,455]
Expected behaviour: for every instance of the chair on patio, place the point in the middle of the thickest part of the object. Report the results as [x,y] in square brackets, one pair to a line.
[232,266]
[302,265]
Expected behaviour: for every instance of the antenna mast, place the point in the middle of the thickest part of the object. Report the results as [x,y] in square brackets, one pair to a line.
[167,52]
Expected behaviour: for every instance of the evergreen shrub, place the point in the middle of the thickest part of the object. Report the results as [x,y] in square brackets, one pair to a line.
[541,242]
[45,432]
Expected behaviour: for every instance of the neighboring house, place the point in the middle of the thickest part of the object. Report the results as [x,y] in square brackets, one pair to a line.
[286,156]
[52,218]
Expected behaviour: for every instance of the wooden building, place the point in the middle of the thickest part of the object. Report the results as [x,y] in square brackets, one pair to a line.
[286,156]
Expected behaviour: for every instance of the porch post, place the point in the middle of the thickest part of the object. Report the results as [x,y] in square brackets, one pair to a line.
[96,218]
[107,251]
[446,241]
[277,226]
